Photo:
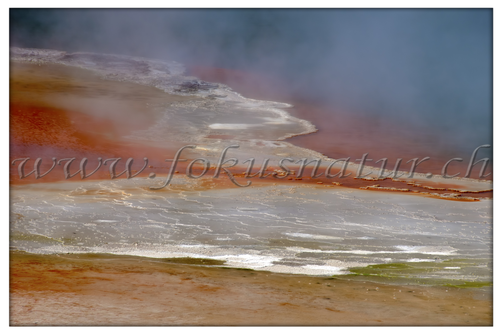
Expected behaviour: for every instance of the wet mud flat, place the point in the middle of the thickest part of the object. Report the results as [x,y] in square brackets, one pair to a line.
[101,289]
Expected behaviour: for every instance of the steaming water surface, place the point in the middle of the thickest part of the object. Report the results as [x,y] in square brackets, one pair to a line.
[296,229]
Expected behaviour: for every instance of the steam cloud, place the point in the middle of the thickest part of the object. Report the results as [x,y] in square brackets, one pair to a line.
[428,66]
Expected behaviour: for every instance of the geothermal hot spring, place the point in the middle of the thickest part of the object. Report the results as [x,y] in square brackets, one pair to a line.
[425,230]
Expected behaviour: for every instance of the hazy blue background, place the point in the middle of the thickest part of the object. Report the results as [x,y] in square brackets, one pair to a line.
[431,67]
